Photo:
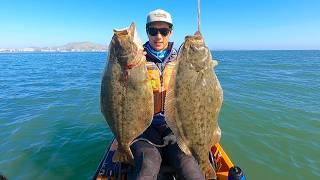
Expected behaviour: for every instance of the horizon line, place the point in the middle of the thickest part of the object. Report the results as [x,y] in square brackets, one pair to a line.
[105,51]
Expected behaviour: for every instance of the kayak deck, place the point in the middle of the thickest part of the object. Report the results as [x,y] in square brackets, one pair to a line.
[114,171]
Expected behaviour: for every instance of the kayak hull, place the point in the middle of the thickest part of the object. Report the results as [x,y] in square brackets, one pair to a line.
[110,170]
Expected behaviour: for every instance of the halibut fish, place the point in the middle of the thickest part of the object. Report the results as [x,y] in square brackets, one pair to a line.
[193,102]
[126,98]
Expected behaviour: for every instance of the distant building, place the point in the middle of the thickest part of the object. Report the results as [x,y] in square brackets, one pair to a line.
[28,49]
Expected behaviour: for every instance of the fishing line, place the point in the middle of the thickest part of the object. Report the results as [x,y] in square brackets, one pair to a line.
[148,141]
[169,138]
[199,15]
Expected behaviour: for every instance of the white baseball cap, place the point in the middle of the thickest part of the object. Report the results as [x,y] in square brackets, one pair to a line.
[159,15]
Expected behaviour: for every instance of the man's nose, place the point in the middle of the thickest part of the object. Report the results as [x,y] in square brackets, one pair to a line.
[158,35]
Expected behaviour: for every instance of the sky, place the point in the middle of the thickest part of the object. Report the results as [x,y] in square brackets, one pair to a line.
[225,24]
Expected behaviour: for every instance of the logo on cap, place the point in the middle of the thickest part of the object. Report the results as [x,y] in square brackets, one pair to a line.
[160,15]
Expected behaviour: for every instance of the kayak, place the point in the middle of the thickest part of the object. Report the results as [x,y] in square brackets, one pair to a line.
[114,171]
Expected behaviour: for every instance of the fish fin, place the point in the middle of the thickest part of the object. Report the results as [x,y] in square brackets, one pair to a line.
[132,30]
[124,31]
[219,96]
[121,155]
[171,115]
[207,169]
[210,174]
[216,135]
[197,33]
[214,63]
[170,103]
[183,146]
[132,27]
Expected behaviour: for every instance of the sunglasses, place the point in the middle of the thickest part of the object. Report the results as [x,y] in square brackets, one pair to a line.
[154,31]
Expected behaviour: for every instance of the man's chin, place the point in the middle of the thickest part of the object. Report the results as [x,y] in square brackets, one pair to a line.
[158,48]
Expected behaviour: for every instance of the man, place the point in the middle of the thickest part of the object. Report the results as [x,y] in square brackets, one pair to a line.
[160,55]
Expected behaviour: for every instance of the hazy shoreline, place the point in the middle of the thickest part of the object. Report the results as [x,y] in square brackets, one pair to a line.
[69,47]
[27,52]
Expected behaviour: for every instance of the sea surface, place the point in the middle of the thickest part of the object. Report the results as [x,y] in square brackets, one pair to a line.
[51,126]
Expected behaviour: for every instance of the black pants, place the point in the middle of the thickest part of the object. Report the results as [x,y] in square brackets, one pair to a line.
[148,158]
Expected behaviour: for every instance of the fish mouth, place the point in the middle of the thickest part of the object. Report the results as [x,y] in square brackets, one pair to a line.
[127,38]
[124,41]
[126,31]
[197,36]
[195,47]
[195,39]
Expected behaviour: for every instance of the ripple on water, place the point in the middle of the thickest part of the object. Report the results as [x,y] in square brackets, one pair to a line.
[53,127]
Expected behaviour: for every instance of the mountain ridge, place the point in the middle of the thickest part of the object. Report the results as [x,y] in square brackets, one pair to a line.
[83,46]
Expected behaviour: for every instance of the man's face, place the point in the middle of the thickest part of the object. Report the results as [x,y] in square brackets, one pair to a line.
[159,34]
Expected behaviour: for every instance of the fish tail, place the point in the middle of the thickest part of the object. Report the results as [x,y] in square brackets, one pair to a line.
[125,156]
[209,172]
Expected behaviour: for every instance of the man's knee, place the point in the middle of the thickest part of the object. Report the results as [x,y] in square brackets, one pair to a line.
[147,161]
[189,168]
[150,159]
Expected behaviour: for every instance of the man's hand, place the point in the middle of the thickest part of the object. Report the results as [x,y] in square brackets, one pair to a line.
[170,139]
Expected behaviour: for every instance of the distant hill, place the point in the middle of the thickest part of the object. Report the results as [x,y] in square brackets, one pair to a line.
[69,47]
[82,46]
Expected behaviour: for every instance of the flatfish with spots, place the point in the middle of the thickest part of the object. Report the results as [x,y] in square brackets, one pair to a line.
[193,102]
[126,98]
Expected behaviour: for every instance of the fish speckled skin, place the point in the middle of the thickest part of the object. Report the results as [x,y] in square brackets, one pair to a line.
[126,93]
[193,102]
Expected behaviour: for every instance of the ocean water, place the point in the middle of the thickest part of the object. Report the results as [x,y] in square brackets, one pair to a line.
[51,126]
